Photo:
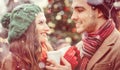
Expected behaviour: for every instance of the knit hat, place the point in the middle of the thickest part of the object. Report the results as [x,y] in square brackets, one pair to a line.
[5,20]
[21,18]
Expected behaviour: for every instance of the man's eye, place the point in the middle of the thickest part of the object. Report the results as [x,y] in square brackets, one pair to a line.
[79,10]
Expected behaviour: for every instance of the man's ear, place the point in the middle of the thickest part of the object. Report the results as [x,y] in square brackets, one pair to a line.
[99,13]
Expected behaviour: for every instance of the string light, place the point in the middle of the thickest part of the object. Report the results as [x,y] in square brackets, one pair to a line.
[16,1]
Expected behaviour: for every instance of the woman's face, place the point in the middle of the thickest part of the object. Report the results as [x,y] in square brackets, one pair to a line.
[41,27]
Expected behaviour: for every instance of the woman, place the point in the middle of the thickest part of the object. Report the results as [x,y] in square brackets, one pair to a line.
[27,38]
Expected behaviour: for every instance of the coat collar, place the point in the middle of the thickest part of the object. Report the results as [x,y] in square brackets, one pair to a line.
[104,48]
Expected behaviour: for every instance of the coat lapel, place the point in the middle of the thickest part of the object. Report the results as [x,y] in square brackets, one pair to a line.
[104,48]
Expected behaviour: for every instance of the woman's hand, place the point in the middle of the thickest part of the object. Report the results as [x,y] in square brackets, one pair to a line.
[43,39]
[52,65]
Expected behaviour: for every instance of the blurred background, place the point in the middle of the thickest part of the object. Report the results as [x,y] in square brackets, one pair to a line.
[57,12]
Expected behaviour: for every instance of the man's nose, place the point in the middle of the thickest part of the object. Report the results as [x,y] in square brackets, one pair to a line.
[74,16]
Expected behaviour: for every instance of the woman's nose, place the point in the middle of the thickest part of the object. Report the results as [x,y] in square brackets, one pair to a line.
[47,28]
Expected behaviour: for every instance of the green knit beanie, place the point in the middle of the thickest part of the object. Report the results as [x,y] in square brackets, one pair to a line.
[6,20]
[21,18]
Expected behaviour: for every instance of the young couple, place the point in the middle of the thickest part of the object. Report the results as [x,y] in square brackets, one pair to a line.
[98,49]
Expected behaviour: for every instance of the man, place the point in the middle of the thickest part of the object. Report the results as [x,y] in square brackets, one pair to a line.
[100,42]
[117,9]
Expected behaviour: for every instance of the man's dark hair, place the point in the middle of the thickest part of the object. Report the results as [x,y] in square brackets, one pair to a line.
[107,8]
[103,5]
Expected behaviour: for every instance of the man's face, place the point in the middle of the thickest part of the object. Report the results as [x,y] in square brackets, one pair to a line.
[117,7]
[84,16]
[118,17]
[119,13]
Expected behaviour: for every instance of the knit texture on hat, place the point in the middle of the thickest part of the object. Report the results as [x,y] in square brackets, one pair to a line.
[6,20]
[21,18]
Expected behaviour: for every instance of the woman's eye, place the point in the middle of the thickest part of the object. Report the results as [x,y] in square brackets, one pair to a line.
[41,22]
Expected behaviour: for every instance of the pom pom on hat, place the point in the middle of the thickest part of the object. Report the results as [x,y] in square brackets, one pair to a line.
[6,20]
[117,5]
